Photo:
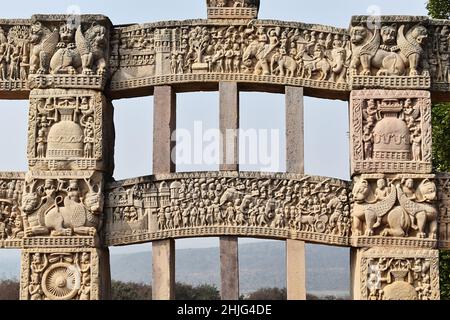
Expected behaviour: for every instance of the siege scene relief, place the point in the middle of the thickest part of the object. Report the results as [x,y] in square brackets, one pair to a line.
[307,207]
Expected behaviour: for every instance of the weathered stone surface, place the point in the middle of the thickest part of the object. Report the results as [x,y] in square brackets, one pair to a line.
[390,131]
[69,51]
[64,274]
[227,203]
[395,274]
[443,195]
[67,129]
[232,9]
[394,210]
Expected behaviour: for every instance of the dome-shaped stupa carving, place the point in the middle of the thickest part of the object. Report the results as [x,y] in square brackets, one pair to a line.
[65,138]
[392,140]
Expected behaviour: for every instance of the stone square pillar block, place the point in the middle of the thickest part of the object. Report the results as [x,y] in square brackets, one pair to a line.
[395,274]
[65,274]
[70,130]
[390,131]
[394,210]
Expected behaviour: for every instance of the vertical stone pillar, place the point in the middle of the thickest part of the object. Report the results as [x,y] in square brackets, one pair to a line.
[229,161]
[70,157]
[295,250]
[394,212]
[163,252]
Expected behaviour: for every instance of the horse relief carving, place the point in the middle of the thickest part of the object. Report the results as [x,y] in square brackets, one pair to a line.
[305,205]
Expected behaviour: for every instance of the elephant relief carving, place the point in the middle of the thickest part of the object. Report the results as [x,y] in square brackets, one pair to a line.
[396,208]
[57,209]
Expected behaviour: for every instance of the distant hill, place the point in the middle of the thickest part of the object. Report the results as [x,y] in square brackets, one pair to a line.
[261,265]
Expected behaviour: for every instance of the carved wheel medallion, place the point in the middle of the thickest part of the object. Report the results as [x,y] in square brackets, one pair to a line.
[61,281]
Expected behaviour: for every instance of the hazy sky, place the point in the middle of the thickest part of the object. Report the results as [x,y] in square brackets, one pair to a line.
[326,121]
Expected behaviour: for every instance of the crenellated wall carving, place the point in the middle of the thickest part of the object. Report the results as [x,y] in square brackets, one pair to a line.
[252,204]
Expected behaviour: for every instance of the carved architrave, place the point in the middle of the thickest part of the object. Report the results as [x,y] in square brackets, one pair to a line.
[397,274]
[69,51]
[443,188]
[60,207]
[389,52]
[66,130]
[250,204]
[61,274]
[11,217]
[390,131]
[230,50]
[14,56]
[394,210]
[232,9]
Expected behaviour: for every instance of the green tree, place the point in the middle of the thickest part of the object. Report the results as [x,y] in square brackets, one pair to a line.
[440,9]
[9,290]
[201,292]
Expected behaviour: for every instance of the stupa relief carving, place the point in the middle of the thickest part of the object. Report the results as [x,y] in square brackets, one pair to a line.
[300,205]
[63,207]
[398,274]
[394,207]
[66,129]
[390,131]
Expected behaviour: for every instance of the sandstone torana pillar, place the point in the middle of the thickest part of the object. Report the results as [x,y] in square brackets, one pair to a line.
[70,155]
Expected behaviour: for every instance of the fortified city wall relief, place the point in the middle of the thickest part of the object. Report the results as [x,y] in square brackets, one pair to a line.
[249,204]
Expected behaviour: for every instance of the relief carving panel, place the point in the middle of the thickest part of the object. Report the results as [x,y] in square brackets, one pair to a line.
[11,215]
[398,274]
[61,274]
[276,206]
[390,131]
[395,210]
[66,130]
[389,53]
[62,206]
[68,53]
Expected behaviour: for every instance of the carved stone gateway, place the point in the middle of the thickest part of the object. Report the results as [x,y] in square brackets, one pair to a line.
[67,209]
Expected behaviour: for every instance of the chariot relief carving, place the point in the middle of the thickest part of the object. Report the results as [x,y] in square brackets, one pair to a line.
[390,131]
[66,130]
[68,274]
[60,207]
[398,274]
[301,205]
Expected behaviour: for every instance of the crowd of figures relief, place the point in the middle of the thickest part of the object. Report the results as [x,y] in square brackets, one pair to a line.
[11,220]
[247,49]
[308,204]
